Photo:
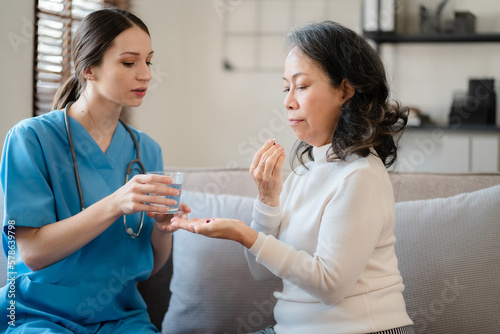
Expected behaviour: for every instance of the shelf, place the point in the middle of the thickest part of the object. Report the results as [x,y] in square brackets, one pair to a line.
[462,128]
[439,38]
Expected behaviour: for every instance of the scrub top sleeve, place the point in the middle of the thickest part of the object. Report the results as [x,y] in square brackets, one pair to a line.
[29,200]
[160,159]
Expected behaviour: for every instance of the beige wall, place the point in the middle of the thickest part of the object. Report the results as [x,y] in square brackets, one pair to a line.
[201,114]
[16,64]
[204,116]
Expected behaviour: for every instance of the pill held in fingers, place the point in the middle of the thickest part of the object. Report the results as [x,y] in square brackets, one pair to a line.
[274,141]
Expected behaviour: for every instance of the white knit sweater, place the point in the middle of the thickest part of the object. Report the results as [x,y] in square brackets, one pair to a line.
[332,243]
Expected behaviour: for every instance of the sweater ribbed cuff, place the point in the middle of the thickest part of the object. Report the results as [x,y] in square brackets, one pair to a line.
[257,245]
[270,210]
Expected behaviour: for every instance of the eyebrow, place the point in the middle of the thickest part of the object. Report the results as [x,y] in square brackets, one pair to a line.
[296,75]
[134,53]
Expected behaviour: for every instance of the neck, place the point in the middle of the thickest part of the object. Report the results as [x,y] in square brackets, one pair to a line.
[100,120]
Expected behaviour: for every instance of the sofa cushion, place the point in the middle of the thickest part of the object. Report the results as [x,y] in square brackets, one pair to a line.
[449,257]
[212,288]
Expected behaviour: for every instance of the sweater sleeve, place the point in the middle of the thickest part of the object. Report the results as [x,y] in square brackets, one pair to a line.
[266,221]
[350,228]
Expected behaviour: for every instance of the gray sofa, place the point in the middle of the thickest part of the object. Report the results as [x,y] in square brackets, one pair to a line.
[448,231]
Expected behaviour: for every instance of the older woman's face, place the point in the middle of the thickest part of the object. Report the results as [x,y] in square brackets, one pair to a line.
[313,104]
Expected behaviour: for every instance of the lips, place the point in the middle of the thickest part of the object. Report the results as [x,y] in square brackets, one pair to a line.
[141,91]
[294,121]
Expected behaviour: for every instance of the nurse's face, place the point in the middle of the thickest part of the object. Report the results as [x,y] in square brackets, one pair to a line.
[124,74]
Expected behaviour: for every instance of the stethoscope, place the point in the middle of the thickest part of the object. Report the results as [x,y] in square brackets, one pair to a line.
[130,169]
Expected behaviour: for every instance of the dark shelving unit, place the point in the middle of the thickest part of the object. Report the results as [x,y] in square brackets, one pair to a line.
[463,128]
[381,38]
[393,38]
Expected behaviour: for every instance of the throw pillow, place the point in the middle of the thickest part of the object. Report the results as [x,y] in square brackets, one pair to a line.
[449,257]
[212,288]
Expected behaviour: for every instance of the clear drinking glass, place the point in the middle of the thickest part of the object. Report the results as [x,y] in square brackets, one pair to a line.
[178,178]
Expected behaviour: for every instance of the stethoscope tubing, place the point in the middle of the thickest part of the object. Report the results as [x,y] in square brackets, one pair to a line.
[137,161]
[73,156]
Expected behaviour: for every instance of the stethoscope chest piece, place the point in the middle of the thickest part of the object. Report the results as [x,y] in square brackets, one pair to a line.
[131,233]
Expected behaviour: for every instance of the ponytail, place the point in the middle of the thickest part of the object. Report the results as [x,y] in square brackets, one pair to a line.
[69,91]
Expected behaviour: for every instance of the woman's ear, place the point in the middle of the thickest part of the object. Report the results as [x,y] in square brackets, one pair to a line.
[88,73]
[348,90]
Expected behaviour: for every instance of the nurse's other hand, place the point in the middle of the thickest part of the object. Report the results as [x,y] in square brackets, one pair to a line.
[266,172]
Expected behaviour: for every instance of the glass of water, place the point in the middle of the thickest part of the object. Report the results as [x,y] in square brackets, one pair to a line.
[178,179]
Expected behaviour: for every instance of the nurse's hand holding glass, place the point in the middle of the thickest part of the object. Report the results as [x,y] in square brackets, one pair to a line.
[148,193]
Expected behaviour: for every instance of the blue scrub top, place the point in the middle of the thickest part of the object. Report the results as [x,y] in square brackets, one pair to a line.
[98,282]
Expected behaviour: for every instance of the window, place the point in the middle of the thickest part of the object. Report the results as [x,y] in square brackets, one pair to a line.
[56,22]
[254,30]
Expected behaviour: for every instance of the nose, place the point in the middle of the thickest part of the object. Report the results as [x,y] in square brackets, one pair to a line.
[144,73]
[290,101]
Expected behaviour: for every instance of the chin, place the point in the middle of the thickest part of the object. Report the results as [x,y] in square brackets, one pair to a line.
[305,140]
[315,143]
[132,104]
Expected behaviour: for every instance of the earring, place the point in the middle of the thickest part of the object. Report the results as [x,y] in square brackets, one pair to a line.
[90,78]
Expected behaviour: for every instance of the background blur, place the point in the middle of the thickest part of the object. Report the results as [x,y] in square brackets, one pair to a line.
[204,115]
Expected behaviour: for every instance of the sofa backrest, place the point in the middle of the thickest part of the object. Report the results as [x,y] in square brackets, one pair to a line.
[407,186]
[416,186]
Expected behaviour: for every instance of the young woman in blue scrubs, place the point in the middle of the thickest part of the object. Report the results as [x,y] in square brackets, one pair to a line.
[80,249]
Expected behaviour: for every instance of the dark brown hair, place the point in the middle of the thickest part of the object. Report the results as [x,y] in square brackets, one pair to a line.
[367,119]
[93,38]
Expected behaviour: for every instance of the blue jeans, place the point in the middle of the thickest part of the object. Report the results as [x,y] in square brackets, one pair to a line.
[268,330]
